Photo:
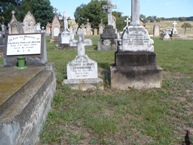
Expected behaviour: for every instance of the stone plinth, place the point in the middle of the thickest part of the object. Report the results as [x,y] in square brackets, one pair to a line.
[25,100]
[135,70]
[140,77]
[84,84]
[107,39]
[82,74]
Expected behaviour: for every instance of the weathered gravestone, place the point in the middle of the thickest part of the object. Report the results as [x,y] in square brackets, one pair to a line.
[135,60]
[14,26]
[107,38]
[174,30]
[101,27]
[25,92]
[88,28]
[156,30]
[29,23]
[66,35]
[30,46]
[55,28]
[82,72]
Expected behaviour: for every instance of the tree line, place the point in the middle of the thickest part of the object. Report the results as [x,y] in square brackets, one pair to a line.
[41,9]
[43,13]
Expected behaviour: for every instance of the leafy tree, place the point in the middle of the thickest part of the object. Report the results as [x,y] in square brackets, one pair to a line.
[120,20]
[42,11]
[6,6]
[185,26]
[92,11]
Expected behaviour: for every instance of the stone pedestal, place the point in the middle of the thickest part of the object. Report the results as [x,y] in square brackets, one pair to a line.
[135,70]
[107,39]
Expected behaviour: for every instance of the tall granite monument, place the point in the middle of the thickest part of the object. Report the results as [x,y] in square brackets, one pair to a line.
[107,38]
[135,60]
[82,72]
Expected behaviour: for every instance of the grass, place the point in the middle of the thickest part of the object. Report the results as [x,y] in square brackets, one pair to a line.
[113,117]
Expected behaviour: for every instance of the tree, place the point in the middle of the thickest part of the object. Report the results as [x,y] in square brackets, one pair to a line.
[6,6]
[42,11]
[92,11]
[185,26]
[120,20]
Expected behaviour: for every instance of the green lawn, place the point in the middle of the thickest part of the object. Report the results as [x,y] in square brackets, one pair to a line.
[113,117]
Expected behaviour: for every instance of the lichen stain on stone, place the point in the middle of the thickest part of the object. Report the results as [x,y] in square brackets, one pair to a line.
[12,80]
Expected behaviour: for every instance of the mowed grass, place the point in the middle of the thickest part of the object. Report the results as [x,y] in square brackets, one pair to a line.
[114,117]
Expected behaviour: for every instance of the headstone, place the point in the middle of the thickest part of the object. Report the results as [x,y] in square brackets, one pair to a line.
[3,29]
[166,35]
[15,27]
[30,46]
[88,28]
[55,28]
[95,32]
[135,61]
[38,27]
[66,35]
[101,27]
[107,38]
[48,28]
[174,31]
[109,8]
[156,30]
[1,39]
[29,23]
[82,72]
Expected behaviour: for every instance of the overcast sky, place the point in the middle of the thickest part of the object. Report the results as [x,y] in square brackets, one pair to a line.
[159,8]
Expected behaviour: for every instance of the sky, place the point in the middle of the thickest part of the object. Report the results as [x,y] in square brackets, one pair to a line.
[159,8]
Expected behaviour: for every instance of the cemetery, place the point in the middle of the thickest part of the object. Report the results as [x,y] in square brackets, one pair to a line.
[133,86]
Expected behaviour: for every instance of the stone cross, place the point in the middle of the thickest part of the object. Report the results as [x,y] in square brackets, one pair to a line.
[127,22]
[135,12]
[81,43]
[55,10]
[65,22]
[109,8]
[174,23]
[13,14]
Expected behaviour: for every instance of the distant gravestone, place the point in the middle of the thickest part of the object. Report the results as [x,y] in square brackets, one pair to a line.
[66,35]
[82,72]
[156,30]
[3,29]
[174,30]
[101,27]
[48,28]
[14,26]
[95,32]
[88,28]
[55,28]
[1,39]
[38,27]
[30,46]
[135,61]
[107,38]
[29,23]
[109,8]
[166,36]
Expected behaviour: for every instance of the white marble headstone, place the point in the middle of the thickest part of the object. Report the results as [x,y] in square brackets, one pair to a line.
[82,67]
[136,39]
